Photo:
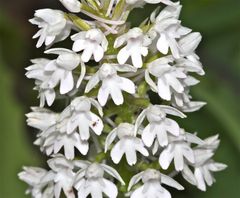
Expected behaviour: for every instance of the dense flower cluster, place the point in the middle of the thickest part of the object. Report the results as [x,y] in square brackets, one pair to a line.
[106,81]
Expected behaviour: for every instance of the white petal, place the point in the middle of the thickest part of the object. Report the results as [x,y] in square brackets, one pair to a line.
[139,146]
[87,53]
[172,111]
[79,45]
[98,53]
[208,177]
[174,48]
[122,56]
[215,167]
[188,154]
[174,83]
[83,125]
[137,59]
[163,89]
[166,158]
[117,152]
[110,138]
[103,94]
[67,83]
[162,44]
[119,41]
[127,85]
[130,153]
[178,159]
[148,136]
[96,124]
[162,136]
[200,180]
[94,80]
[134,180]
[96,105]
[82,146]
[110,189]
[138,193]
[72,5]
[50,96]
[172,126]
[82,75]
[49,40]
[171,182]
[117,96]
[188,175]
[139,120]
[150,81]
[111,171]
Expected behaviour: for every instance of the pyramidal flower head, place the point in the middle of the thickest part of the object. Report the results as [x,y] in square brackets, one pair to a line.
[114,67]
[136,47]
[53,26]
[112,84]
[152,184]
[159,125]
[128,144]
[92,42]
[90,181]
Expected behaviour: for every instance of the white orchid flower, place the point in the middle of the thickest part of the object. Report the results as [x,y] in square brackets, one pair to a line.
[168,77]
[40,181]
[152,184]
[159,125]
[41,118]
[90,181]
[37,72]
[54,26]
[179,150]
[112,84]
[62,68]
[137,46]
[128,144]
[92,42]
[53,141]
[80,117]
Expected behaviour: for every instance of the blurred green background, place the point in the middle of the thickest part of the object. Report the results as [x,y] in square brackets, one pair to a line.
[219,23]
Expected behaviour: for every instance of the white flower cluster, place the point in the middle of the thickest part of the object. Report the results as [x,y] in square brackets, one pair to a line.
[105,82]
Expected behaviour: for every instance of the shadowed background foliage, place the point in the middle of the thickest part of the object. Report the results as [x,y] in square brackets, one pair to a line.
[219,23]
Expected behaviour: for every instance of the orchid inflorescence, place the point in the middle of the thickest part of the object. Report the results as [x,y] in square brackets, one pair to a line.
[106,82]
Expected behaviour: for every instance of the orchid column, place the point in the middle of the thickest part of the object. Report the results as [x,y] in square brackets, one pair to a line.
[110,139]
